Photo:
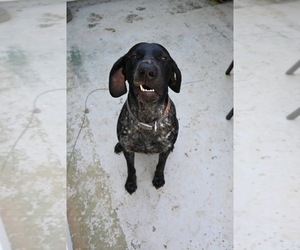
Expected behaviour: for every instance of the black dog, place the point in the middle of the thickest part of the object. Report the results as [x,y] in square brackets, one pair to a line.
[147,122]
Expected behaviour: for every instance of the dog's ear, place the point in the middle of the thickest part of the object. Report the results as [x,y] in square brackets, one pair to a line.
[175,81]
[117,86]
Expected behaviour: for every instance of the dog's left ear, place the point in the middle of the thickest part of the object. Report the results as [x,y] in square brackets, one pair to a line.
[117,85]
[175,81]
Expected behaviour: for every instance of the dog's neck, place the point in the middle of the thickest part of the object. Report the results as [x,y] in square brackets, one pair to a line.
[148,111]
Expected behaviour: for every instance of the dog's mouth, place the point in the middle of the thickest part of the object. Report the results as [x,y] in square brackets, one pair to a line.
[146,93]
[145,88]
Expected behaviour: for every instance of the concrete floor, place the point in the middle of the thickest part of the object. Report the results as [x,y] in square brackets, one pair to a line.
[33,126]
[194,208]
[266,144]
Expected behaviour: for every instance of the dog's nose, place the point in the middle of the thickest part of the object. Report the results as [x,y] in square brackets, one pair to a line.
[147,70]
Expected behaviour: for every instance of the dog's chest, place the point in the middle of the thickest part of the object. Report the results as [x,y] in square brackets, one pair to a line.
[154,137]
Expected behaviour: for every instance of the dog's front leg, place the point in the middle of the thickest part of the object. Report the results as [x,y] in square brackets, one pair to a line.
[130,184]
[159,179]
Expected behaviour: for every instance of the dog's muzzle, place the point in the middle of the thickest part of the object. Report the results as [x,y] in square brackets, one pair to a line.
[147,71]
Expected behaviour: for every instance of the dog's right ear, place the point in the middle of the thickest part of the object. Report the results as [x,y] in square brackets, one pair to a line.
[117,86]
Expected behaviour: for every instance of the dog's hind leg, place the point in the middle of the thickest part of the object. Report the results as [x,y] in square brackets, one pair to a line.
[130,184]
[159,179]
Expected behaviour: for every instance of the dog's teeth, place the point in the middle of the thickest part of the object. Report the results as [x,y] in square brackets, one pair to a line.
[146,90]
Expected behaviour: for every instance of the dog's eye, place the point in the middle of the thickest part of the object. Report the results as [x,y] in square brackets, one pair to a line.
[163,58]
[133,56]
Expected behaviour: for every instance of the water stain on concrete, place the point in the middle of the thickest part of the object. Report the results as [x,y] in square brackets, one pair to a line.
[16,57]
[49,19]
[74,56]
[16,63]
[46,25]
[89,196]
[76,73]
[31,204]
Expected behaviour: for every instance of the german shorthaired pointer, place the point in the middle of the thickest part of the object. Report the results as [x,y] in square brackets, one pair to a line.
[147,122]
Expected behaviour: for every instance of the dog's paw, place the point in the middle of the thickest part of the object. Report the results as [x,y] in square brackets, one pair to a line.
[130,185]
[158,180]
[118,148]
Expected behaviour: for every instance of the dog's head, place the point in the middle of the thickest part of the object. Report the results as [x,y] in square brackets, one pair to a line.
[149,70]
